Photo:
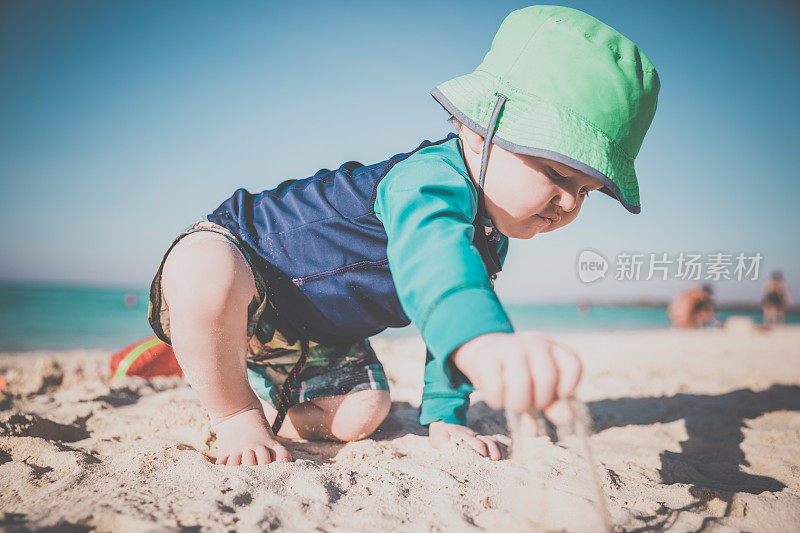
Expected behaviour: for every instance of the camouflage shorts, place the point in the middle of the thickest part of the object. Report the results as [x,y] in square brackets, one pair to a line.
[329,370]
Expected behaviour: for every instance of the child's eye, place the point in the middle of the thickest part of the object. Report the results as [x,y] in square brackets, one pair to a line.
[555,176]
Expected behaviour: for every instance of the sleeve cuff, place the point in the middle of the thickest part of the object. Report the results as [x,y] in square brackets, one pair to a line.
[458,317]
[452,410]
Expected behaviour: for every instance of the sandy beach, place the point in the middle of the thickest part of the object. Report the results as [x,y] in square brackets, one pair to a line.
[693,430]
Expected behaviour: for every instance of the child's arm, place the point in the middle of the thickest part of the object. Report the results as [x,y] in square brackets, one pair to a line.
[427,208]
[444,411]
[444,407]
[442,400]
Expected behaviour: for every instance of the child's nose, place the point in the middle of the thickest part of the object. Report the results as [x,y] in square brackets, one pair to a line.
[567,201]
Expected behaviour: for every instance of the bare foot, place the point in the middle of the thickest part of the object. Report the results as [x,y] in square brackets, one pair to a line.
[246,439]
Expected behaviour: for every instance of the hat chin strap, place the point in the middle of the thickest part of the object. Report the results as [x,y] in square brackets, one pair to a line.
[482,215]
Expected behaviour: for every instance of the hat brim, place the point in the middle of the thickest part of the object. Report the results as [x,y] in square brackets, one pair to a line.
[540,132]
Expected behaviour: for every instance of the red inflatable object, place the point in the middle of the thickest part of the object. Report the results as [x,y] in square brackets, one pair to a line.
[146,358]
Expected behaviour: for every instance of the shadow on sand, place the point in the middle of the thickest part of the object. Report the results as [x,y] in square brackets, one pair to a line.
[711,458]
[402,420]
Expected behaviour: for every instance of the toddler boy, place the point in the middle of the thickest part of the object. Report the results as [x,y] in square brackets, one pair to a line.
[269,300]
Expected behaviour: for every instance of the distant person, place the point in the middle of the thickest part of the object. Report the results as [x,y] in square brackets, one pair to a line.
[692,308]
[775,298]
[270,299]
[131,299]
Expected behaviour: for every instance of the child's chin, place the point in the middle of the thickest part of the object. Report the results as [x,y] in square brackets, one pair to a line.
[525,233]
[529,233]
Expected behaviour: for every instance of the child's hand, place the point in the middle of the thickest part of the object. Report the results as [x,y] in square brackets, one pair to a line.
[520,371]
[439,433]
[247,439]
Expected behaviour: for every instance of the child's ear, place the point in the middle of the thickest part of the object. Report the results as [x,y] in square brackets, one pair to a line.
[472,140]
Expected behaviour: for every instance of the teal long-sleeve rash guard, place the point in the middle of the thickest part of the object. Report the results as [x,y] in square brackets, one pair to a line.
[427,203]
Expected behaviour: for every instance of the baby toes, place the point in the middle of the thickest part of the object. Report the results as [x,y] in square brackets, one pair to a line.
[249,458]
[281,454]
[262,455]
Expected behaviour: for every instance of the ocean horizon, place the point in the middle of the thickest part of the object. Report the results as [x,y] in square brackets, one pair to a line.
[50,316]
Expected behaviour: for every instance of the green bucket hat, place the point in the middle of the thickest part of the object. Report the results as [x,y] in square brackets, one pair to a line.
[558,83]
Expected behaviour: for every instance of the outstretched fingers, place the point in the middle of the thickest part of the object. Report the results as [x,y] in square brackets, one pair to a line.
[477,444]
[492,447]
[491,383]
[544,374]
[569,370]
[518,383]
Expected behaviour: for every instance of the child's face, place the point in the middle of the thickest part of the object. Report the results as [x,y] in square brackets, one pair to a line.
[523,191]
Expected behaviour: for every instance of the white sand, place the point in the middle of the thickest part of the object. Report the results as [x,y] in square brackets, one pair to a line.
[694,429]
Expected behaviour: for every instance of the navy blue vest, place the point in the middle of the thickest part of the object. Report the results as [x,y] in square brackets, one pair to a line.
[322,251]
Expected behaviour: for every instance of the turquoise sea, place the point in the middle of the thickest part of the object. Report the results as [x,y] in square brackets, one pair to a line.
[57,317]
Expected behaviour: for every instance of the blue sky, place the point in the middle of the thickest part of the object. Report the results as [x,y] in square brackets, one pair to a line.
[122,122]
